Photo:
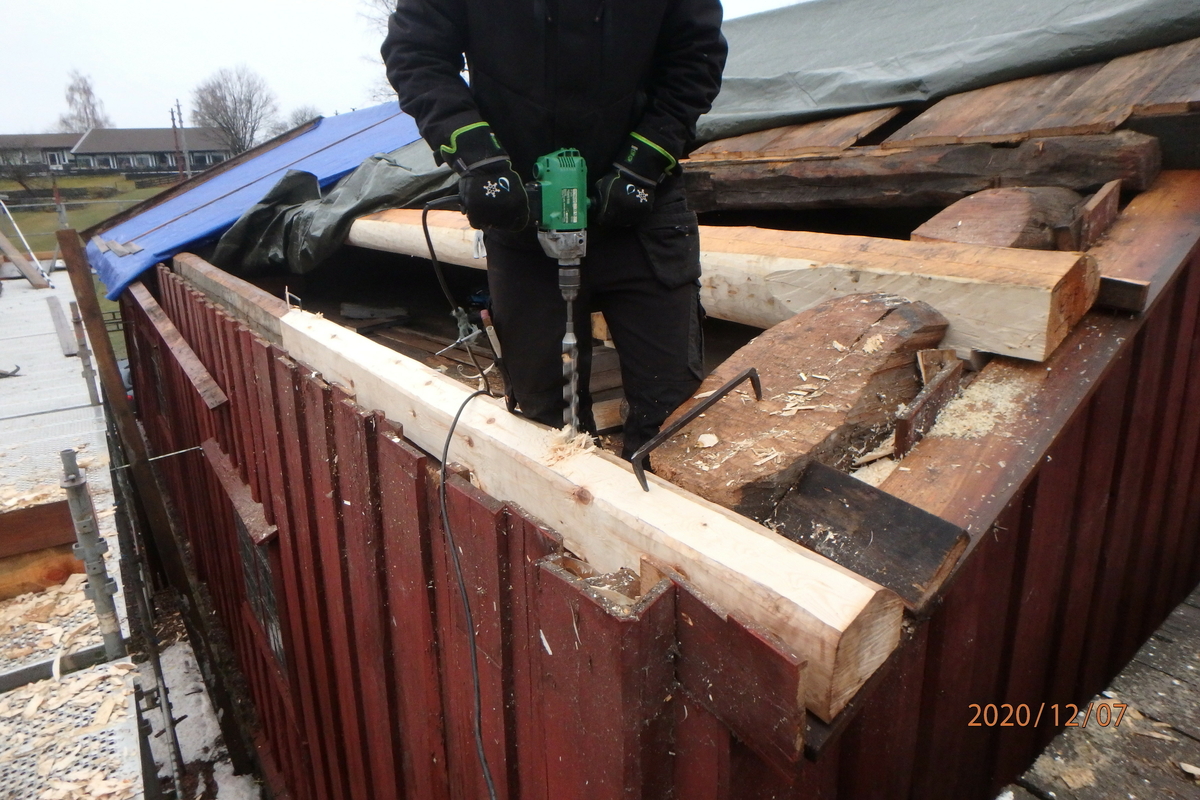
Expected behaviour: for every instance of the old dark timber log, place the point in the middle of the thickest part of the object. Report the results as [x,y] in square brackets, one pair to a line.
[922,176]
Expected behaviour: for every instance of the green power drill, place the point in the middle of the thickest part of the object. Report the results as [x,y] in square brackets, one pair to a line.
[560,180]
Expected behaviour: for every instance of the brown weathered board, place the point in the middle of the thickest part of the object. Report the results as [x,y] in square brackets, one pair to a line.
[1107,98]
[822,136]
[1168,215]
[249,510]
[1098,214]
[31,273]
[180,350]
[876,177]
[1035,218]
[867,530]
[1179,91]
[66,336]
[832,378]
[37,527]
[915,420]
[1093,99]
[1001,112]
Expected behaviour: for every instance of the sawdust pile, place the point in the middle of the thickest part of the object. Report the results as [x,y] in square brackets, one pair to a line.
[979,409]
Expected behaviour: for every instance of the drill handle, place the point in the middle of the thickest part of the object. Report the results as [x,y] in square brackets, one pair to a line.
[534,190]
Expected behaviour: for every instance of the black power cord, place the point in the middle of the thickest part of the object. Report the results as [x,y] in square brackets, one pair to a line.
[466,602]
[457,311]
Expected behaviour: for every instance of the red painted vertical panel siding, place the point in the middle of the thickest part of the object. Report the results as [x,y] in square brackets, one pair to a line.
[479,530]
[354,433]
[323,485]
[419,725]
[308,574]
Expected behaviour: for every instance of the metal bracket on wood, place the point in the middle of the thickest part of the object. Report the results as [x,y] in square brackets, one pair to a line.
[639,458]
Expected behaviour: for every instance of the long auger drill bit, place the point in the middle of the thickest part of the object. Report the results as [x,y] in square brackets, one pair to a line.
[568,283]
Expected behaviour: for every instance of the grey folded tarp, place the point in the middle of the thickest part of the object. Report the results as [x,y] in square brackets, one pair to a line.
[807,61]
[294,229]
[828,57]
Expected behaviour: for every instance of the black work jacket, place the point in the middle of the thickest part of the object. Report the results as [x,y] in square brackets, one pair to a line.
[548,74]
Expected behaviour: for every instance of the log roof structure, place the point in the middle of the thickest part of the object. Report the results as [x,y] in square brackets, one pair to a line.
[973,477]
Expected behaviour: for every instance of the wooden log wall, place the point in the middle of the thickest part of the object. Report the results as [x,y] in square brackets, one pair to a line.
[369,694]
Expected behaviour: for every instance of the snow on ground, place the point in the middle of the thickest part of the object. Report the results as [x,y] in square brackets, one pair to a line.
[199,734]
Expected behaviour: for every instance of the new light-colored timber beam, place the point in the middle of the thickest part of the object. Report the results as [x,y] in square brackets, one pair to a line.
[841,623]
[1011,302]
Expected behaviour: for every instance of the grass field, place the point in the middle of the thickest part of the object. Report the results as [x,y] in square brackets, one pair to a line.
[39,225]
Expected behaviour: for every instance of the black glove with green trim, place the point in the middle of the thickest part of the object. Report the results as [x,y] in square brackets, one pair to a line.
[492,194]
[625,196]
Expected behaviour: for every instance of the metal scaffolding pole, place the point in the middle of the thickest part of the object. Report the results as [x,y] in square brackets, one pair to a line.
[90,549]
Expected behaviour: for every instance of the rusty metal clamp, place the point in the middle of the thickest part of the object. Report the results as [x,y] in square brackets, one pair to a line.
[639,457]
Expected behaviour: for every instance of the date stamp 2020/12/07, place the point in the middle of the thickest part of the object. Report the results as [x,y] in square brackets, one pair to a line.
[1069,715]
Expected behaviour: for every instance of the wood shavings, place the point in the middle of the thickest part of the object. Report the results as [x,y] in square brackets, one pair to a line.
[32,706]
[703,395]
[10,499]
[883,451]
[876,472]
[766,455]
[841,348]
[873,344]
[104,712]
[706,440]
[565,445]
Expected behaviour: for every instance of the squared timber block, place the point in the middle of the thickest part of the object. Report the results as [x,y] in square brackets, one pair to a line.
[842,624]
[997,300]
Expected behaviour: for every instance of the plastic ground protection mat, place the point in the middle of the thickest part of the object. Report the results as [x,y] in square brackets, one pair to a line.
[72,737]
[41,626]
[42,412]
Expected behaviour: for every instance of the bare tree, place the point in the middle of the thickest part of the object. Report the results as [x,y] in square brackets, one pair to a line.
[294,119]
[376,13]
[238,103]
[84,109]
[19,164]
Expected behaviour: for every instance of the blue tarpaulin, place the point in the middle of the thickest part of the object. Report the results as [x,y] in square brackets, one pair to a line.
[332,149]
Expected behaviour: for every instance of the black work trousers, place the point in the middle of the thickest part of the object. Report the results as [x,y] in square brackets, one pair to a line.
[654,325]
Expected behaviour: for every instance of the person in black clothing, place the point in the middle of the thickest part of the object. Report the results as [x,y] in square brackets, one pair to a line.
[623,82]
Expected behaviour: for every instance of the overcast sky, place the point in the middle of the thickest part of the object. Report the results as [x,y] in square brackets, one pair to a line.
[144,54]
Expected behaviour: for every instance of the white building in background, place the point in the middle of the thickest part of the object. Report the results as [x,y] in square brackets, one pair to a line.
[115,149]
